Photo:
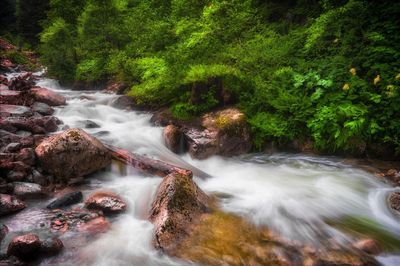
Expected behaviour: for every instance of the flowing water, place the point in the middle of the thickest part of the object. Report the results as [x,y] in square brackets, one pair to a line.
[294,195]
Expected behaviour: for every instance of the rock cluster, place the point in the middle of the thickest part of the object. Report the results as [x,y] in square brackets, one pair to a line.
[224,132]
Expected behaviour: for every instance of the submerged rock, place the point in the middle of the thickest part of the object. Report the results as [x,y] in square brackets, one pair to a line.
[10,204]
[66,200]
[51,246]
[107,202]
[48,97]
[72,153]
[178,203]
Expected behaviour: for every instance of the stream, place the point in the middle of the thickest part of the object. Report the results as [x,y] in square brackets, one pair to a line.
[297,196]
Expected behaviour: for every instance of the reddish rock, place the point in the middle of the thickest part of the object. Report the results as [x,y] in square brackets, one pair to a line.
[106,201]
[48,97]
[10,204]
[8,110]
[6,65]
[25,246]
[173,138]
[3,80]
[369,246]
[394,176]
[72,153]
[96,225]
[394,201]
[178,202]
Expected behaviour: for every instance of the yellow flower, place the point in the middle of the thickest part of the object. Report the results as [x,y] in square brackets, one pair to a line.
[390,87]
[353,71]
[336,40]
[346,87]
[377,79]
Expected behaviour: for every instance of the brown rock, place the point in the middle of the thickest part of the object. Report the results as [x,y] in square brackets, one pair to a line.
[72,153]
[201,143]
[25,246]
[42,108]
[369,246]
[173,138]
[178,202]
[27,156]
[394,201]
[108,202]
[48,97]
[115,87]
[23,82]
[10,204]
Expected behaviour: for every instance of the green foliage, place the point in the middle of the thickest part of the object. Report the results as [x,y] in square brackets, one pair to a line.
[326,71]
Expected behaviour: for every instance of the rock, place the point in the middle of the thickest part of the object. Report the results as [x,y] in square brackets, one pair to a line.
[123,102]
[75,219]
[369,246]
[8,110]
[23,82]
[25,246]
[28,190]
[178,202]
[27,156]
[10,204]
[19,171]
[115,87]
[173,138]
[394,201]
[163,118]
[201,143]
[105,201]
[51,246]
[6,65]
[66,200]
[8,137]
[36,125]
[96,225]
[42,108]
[48,97]
[6,188]
[39,178]
[12,147]
[72,153]
[394,176]
[89,124]
[11,261]
[9,97]
[232,130]
[3,232]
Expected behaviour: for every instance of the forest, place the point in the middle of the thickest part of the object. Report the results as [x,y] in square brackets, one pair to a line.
[325,72]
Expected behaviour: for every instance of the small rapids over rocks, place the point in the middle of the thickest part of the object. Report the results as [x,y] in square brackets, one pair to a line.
[303,198]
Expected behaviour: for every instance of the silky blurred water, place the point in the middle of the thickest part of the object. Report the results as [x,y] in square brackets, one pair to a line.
[292,194]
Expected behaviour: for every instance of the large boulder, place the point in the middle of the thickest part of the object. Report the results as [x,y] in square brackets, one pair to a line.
[9,110]
[10,204]
[72,153]
[178,203]
[105,201]
[48,97]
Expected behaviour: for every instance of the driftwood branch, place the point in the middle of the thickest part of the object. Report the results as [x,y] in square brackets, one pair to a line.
[145,164]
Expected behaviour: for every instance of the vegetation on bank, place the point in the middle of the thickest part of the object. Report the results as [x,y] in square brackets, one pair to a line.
[326,71]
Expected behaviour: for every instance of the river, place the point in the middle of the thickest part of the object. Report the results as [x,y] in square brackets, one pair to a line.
[294,195]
